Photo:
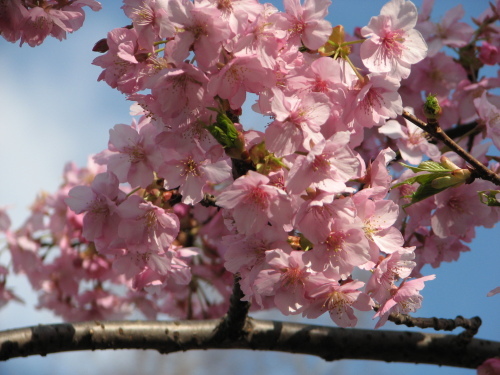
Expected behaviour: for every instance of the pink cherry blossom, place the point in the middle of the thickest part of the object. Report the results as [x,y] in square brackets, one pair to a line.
[459,208]
[489,367]
[437,75]
[314,214]
[264,37]
[490,116]
[307,22]
[148,19]
[237,13]
[489,54]
[344,248]
[180,90]
[494,291]
[297,119]
[436,250]
[376,99]
[13,14]
[238,76]
[145,226]
[449,32]
[98,201]
[337,299]
[377,176]
[393,44]
[121,67]
[192,171]
[405,299]
[328,166]
[284,277]
[198,25]
[389,270]
[411,141]
[254,203]
[378,218]
[247,251]
[133,155]
[41,22]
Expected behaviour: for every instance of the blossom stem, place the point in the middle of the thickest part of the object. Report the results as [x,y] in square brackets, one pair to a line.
[352,42]
[358,74]
[160,42]
[133,191]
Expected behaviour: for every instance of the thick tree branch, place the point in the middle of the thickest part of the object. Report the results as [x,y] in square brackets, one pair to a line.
[435,130]
[329,343]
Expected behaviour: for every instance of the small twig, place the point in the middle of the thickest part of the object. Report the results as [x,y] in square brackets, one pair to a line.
[462,130]
[440,324]
[433,128]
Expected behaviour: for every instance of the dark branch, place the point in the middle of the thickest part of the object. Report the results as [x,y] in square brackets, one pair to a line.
[328,343]
[440,324]
[233,325]
[458,131]
[433,128]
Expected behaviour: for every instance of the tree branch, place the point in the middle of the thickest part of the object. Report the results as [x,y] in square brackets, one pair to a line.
[435,130]
[329,343]
[234,324]
[440,324]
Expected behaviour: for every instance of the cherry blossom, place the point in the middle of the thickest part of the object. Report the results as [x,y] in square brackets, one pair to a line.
[191,194]
[298,118]
[411,141]
[449,32]
[285,279]
[133,156]
[99,201]
[490,115]
[307,22]
[253,202]
[337,299]
[404,299]
[394,44]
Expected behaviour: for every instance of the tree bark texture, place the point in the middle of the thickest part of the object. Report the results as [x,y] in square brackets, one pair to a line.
[329,343]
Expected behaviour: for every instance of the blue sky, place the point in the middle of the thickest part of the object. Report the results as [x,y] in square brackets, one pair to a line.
[53,111]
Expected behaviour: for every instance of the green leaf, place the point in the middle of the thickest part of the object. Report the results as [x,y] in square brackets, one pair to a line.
[427,166]
[432,166]
[421,179]
[424,191]
[447,181]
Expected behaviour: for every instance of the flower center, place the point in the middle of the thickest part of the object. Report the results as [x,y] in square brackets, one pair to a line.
[335,241]
[291,277]
[190,167]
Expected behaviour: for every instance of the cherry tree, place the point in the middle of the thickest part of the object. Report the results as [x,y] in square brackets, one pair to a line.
[376,159]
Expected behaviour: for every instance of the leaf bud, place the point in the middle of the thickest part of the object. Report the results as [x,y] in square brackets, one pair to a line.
[432,109]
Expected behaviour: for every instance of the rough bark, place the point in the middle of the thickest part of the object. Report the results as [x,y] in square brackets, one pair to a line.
[329,343]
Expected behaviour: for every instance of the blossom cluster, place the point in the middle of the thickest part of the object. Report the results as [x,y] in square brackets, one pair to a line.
[305,212]
[32,21]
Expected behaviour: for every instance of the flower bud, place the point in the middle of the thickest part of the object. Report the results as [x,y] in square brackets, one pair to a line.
[432,110]
[447,163]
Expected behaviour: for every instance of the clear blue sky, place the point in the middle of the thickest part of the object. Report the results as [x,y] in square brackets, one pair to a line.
[53,111]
